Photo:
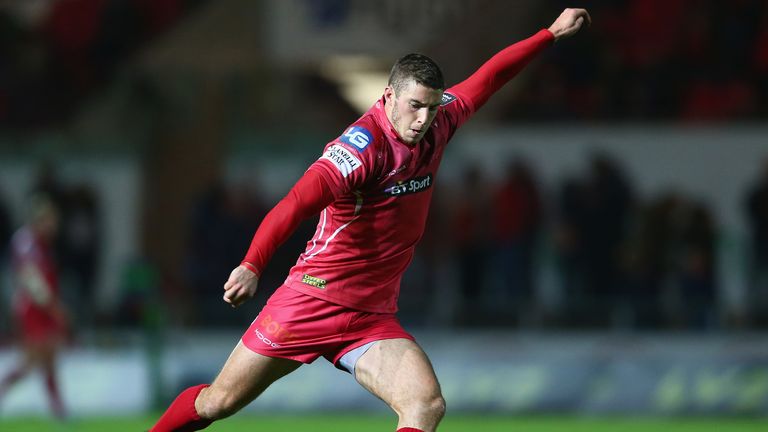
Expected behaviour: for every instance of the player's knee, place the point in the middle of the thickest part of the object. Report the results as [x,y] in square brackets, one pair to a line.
[216,405]
[432,408]
[437,407]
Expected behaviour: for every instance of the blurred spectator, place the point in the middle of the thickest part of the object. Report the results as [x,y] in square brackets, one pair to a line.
[471,237]
[594,223]
[47,184]
[516,221]
[608,206]
[81,235]
[649,261]
[568,243]
[672,267]
[77,245]
[221,225]
[756,208]
[41,317]
[697,277]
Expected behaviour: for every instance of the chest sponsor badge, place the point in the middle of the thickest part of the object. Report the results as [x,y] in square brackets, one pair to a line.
[357,136]
[343,159]
[414,185]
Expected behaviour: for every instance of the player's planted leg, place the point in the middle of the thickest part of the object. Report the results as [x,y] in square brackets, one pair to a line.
[399,373]
[52,384]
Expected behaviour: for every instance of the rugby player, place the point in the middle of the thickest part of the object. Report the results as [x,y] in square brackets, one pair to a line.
[40,315]
[372,187]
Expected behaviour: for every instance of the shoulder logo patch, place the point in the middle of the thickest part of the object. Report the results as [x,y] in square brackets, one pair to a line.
[447,98]
[342,158]
[357,136]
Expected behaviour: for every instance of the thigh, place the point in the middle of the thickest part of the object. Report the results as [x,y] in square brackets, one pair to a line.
[245,376]
[296,326]
[398,372]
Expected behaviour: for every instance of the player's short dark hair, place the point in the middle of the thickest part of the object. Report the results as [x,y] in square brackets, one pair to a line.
[419,68]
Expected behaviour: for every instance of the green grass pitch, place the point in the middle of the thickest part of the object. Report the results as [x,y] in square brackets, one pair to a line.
[377,423]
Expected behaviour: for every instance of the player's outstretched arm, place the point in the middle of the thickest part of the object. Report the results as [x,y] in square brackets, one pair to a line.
[569,23]
[507,63]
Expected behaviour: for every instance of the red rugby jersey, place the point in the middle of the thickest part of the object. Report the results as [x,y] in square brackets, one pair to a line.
[32,258]
[381,188]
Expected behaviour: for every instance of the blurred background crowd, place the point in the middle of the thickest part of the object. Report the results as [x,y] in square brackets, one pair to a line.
[659,60]
[145,81]
[679,60]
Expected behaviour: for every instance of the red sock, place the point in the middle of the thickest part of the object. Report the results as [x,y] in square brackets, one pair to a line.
[409,429]
[182,416]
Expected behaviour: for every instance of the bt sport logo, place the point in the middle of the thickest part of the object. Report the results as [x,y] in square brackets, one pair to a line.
[414,185]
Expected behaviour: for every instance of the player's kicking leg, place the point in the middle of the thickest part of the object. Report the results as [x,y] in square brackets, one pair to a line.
[244,376]
[399,372]
[48,363]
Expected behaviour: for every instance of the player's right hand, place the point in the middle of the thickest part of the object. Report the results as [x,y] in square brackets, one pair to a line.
[569,23]
[240,286]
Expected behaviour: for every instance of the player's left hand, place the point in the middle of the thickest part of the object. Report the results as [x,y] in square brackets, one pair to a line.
[240,286]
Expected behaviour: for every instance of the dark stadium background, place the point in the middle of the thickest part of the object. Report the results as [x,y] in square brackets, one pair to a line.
[598,238]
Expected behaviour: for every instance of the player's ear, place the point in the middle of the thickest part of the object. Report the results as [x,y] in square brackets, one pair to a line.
[389,95]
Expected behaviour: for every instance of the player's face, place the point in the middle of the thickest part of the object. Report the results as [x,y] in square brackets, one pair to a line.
[49,224]
[412,111]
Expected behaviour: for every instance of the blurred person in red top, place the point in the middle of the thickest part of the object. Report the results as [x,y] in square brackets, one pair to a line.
[516,222]
[40,317]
